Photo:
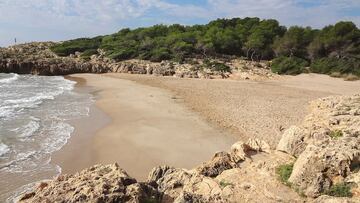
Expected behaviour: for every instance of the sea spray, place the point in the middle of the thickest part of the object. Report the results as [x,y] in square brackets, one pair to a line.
[34,122]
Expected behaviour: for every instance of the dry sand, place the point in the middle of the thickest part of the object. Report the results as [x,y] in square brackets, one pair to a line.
[148,128]
[163,120]
[248,108]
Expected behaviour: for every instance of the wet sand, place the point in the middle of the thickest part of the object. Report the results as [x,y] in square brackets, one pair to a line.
[148,127]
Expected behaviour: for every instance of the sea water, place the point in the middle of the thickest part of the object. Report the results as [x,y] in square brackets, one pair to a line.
[34,122]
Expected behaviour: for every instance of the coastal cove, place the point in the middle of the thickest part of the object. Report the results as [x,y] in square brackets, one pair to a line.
[138,127]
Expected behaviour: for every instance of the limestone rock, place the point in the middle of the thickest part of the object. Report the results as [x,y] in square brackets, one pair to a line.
[292,141]
[258,145]
[97,184]
[220,162]
[320,165]
[329,116]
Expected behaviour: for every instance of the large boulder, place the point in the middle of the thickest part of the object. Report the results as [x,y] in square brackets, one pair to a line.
[100,183]
[293,141]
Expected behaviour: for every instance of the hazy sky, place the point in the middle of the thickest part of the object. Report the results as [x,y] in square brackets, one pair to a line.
[41,20]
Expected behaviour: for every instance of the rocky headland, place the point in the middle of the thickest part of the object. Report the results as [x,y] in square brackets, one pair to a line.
[37,58]
[317,161]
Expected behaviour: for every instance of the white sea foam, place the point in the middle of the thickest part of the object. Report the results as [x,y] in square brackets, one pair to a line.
[29,129]
[10,79]
[34,111]
[60,133]
[4,149]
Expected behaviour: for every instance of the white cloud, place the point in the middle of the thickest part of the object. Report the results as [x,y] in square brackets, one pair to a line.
[62,19]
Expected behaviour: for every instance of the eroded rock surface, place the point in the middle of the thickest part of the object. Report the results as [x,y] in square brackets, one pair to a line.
[100,183]
[327,145]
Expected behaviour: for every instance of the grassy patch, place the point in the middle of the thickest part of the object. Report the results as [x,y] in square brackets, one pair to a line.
[224,184]
[336,134]
[339,190]
[284,173]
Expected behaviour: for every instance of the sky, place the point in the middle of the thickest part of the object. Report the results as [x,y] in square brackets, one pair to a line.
[56,20]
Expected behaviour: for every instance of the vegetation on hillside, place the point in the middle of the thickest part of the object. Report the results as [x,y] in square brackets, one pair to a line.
[333,49]
[339,190]
[284,173]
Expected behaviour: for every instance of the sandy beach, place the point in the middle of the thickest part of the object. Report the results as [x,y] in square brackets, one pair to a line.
[143,121]
[148,127]
[251,109]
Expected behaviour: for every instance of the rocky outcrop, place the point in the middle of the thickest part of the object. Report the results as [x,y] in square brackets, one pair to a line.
[218,180]
[227,177]
[327,146]
[37,58]
[97,184]
[330,118]
[322,165]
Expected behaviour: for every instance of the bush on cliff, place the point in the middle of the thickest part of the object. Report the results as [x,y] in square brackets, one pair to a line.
[288,65]
[336,65]
[217,66]
[339,190]
[284,173]
[77,45]
[88,53]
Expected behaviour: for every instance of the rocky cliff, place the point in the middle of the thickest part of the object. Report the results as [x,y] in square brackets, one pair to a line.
[324,152]
[37,58]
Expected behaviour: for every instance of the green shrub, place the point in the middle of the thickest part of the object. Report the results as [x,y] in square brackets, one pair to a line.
[339,190]
[335,65]
[160,54]
[221,67]
[72,46]
[289,65]
[122,54]
[336,134]
[217,66]
[88,53]
[284,173]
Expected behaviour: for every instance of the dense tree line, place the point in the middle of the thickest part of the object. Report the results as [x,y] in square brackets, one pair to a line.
[335,48]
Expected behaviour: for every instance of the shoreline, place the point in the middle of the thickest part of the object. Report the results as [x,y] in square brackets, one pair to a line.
[83,134]
[145,127]
[110,134]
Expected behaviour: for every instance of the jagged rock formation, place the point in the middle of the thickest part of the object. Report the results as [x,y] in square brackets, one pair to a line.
[37,58]
[97,184]
[246,172]
[327,145]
